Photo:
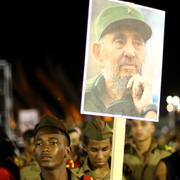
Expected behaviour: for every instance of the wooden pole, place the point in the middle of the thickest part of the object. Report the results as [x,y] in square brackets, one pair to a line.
[118,148]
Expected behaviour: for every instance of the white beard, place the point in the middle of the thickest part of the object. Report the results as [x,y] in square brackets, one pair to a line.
[120,84]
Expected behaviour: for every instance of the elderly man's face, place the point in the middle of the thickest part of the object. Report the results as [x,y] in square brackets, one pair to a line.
[121,54]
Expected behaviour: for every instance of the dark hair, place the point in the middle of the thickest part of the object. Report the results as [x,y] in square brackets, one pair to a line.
[3,133]
[28,134]
[7,149]
[7,152]
[6,146]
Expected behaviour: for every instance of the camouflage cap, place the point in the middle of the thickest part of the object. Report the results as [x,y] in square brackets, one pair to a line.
[121,15]
[98,129]
[52,122]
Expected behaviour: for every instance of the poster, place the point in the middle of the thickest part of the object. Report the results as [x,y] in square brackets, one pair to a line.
[123,60]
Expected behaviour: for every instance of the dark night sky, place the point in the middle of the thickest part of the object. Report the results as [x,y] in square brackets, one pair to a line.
[59,31]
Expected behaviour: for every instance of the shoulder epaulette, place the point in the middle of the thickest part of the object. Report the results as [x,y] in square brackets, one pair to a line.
[168,148]
[86,177]
[71,164]
[90,83]
[129,148]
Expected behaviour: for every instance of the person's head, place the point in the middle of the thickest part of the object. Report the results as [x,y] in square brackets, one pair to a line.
[98,143]
[51,142]
[28,137]
[7,149]
[76,143]
[122,33]
[75,136]
[3,133]
[141,130]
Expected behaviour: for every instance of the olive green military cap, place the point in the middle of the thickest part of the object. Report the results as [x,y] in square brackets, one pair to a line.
[51,122]
[98,130]
[121,15]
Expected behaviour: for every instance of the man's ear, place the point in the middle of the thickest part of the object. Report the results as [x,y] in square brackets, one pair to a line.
[153,128]
[34,154]
[97,51]
[85,148]
[67,151]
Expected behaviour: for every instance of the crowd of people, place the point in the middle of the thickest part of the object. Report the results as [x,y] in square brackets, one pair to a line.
[54,151]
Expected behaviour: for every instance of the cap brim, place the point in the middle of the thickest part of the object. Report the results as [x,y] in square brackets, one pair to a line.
[53,127]
[139,26]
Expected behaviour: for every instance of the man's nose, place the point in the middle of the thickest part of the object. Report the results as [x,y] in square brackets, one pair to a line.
[139,128]
[129,50]
[45,148]
[100,155]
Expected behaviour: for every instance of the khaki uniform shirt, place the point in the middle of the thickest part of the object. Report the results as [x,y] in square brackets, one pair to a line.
[71,176]
[94,99]
[85,170]
[30,172]
[143,167]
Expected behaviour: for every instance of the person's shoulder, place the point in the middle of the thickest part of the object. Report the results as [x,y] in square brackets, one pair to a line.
[32,171]
[129,148]
[76,174]
[4,172]
[71,164]
[81,170]
[161,170]
[90,83]
[165,147]
[83,177]
[94,82]
[86,177]
[174,156]
[127,171]
[30,168]
[75,166]
[163,150]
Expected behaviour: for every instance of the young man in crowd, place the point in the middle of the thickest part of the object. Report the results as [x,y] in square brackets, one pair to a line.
[52,146]
[98,146]
[142,153]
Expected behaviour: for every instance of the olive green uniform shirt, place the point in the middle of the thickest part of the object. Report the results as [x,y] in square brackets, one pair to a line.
[86,170]
[71,176]
[95,88]
[32,172]
[143,167]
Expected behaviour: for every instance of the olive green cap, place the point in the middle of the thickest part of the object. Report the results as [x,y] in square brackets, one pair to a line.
[121,15]
[51,122]
[98,129]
